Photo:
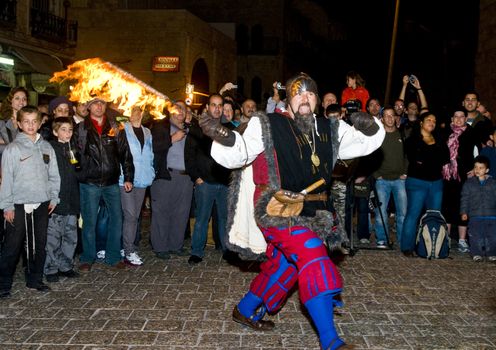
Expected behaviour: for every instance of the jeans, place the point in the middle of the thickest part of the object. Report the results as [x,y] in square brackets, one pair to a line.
[205,196]
[482,234]
[384,190]
[90,200]
[421,194]
[101,227]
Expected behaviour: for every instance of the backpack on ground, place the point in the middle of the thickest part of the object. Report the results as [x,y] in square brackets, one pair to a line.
[433,241]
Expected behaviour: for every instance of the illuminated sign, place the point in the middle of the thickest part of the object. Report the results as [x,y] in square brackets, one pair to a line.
[165,64]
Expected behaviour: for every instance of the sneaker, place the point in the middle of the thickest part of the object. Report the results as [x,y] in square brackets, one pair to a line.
[123,254]
[100,255]
[477,258]
[364,241]
[53,277]
[133,259]
[463,246]
[492,258]
[381,245]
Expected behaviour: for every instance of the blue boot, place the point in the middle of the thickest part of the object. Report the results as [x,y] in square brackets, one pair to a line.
[321,309]
[246,313]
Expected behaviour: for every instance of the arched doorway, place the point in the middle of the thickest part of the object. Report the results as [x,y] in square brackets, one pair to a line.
[200,79]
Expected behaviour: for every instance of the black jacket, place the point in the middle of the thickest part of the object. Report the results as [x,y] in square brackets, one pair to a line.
[199,163]
[69,186]
[101,156]
[162,141]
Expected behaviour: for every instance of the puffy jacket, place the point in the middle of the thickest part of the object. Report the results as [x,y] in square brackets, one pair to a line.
[101,156]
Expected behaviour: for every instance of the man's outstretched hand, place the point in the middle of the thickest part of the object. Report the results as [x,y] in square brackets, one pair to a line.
[217,132]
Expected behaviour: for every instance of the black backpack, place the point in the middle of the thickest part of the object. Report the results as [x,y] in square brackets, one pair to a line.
[433,241]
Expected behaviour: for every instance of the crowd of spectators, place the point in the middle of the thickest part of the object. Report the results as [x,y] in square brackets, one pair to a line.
[90,166]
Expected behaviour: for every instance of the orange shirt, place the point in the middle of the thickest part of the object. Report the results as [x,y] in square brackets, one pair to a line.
[360,93]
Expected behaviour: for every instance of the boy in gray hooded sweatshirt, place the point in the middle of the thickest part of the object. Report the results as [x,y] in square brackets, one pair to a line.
[28,194]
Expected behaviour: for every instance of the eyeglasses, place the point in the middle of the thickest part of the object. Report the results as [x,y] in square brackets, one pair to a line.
[399,106]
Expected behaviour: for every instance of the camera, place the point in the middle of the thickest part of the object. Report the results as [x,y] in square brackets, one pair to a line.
[412,78]
[352,106]
[281,90]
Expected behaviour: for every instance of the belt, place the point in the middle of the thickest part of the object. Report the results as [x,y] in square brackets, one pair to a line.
[181,172]
[322,196]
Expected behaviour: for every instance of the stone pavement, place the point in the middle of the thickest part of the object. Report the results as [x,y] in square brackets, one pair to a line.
[391,302]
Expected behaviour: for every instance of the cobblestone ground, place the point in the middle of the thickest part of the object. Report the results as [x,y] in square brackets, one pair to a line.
[391,302]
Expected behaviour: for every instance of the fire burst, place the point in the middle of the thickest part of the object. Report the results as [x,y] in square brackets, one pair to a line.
[97,78]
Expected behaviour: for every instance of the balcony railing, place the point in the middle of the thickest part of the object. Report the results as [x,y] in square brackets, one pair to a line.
[8,13]
[53,28]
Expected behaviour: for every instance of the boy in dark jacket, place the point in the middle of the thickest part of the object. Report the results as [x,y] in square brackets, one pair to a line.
[62,224]
[478,203]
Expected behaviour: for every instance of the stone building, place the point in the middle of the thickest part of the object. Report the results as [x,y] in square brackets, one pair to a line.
[132,39]
[270,36]
[36,39]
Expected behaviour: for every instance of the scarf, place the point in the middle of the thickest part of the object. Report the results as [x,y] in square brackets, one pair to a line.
[450,170]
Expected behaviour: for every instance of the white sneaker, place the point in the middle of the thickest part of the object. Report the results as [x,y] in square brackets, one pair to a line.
[463,246]
[365,241]
[100,254]
[381,245]
[477,258]
[492,258]
[123,254]
[134,259]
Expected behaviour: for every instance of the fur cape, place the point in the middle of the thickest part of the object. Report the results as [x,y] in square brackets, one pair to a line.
[245,218]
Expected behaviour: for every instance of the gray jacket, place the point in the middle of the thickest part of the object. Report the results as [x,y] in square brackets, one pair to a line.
[478,199]
[29,173]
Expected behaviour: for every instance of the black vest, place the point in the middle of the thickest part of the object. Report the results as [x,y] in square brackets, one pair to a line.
[293,153]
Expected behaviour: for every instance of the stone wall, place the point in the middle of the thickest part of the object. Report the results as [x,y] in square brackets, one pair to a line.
[130,39]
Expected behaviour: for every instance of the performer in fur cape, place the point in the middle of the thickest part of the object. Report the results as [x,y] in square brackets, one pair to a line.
[278,157]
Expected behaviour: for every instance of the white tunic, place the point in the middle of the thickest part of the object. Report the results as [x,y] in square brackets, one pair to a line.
[352,144]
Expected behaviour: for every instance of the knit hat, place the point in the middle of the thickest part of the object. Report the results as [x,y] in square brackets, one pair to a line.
[57,101]
[96,99]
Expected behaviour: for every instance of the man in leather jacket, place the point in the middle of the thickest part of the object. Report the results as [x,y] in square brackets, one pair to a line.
[102,149]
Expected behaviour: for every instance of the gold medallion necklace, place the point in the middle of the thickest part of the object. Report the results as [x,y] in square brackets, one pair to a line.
[314,157]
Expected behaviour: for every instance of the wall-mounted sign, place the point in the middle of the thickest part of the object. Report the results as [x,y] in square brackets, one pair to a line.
[165,64]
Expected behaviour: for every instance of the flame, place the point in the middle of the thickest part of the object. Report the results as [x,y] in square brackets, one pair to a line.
[94,77]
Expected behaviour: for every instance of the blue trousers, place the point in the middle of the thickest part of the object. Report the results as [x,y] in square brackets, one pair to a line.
[205,196]
[384,190]
[90,201]
[482,234]
[421,195]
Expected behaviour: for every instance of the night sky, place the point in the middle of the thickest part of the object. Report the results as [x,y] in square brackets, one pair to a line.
[436,41]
